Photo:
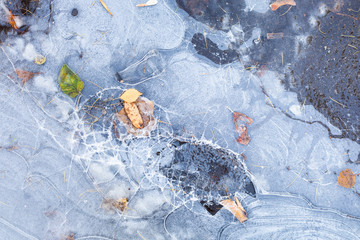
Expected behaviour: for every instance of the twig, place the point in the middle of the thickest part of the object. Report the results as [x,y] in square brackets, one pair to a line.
[2,203]
[8,59]
[222,9]
[344,106]
[107,9]
[286,11]
[297,176]
[319,27]
[205,39]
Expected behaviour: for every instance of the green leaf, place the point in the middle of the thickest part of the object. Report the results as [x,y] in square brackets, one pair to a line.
[69,82]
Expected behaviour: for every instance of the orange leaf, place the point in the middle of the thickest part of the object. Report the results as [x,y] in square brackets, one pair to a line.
[346,178]
[240,120]
[12,20]
[235,208]
[133,113]
[146,110]
[25,75]
[274,6]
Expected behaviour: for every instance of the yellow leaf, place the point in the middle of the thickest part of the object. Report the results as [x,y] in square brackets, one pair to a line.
[346,178]
[130,95]
[148,3]
[235,208]
[40,59]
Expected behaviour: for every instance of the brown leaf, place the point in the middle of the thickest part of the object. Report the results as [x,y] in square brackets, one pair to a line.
[133,113]
[235,208]
[119,204]
[146,109]
[274,6]
[346,178]
[240,120]
[25,75]
[279,35]
[12,20]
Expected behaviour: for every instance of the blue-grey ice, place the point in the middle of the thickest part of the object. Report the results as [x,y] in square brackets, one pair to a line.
[61,161]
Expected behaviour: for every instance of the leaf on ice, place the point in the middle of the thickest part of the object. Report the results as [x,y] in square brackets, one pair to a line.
[130,95]
[12,20]
[69,82]
[346,178]
[235,208]
[146,110]
[279,35]
[240,120]
[133,113]
[119,204]
[274,6]
[148,3]
[25,75]
[40,59]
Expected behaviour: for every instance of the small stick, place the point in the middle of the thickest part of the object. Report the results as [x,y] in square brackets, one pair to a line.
[344,106]
[205,40]
[286,11]
[107,9]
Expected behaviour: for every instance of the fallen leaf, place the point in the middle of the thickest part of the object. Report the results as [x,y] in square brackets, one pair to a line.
[25,75]
[146,109]
[119,204]
[148,3]
[240,120]
[274,6]
[346,178]
[12,20]
[107,9]
[235,208]
[130,95]
[133,113]
[12,148]
[69,237]
[69,82]
[275,35]
[40,59]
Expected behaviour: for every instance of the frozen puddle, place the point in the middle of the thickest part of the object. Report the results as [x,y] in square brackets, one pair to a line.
[69,168]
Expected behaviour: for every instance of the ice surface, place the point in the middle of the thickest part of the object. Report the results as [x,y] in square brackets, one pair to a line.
[61,158]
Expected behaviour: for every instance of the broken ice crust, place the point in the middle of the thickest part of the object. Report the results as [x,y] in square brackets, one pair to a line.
[197,170]
[208,172]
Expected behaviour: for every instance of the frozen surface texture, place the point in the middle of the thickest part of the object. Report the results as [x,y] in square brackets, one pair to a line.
[69,169]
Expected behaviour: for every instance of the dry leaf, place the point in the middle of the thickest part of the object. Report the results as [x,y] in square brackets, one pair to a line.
[106,7]
[133,113]
[112,204]
[40,59]
[346,178]
[69,237]
[146,109]
[25,75]
[240,120]
[12,20]
[148,3]
[274,6]
[130,95]
[275,35]
[235,208]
